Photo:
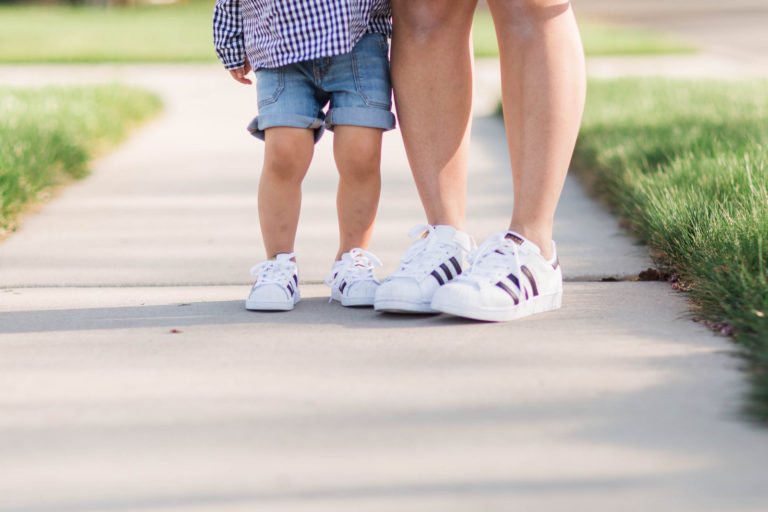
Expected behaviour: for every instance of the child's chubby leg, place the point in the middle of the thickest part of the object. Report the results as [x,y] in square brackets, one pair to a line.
[357,151]
[287,156]
[360,110]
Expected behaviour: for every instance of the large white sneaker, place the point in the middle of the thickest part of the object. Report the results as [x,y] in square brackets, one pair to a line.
[508,279]
[353,280]
[277,285]
[436,257]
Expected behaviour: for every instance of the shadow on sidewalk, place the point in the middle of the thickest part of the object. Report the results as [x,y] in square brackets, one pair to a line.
[360,495]
[310,311]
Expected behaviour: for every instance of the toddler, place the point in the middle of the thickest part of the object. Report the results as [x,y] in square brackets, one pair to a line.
[307,54]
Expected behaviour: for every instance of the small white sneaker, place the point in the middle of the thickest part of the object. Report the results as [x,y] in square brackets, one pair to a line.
[435,258]
[508,279]
[353,280]
[277,285]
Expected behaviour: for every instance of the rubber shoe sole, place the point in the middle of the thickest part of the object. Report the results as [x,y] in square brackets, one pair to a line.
[356,302]
[405,307]
[353,302]
[261,305]
[538,304]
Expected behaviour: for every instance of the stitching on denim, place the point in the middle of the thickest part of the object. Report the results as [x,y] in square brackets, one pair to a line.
[355,74]
[278,90]
[384,45]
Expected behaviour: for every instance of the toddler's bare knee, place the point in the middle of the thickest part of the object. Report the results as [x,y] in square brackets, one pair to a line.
[360,167]
[285,159]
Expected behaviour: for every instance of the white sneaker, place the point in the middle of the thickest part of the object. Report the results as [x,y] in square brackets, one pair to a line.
[353,280]
[277,285]
[435,258]
[508,279]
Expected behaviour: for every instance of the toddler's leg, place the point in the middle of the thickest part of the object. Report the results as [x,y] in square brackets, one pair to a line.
[357,151]
[287,156]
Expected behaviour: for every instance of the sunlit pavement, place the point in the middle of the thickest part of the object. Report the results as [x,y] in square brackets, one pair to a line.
[132,379]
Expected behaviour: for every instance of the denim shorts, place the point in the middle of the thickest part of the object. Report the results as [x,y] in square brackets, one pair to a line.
[356,87]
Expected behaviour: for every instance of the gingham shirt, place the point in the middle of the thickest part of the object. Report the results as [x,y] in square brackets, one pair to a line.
[274,33]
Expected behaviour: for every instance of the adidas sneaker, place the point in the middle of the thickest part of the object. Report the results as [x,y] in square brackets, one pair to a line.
[508,279]
[436,257]
[277,285]
[353,280]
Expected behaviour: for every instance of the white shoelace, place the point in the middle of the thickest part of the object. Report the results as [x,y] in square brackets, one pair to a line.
[490,262]
[424,254]
[358,267]
[277,271]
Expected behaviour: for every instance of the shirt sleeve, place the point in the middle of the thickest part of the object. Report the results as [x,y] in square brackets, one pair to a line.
[228,33]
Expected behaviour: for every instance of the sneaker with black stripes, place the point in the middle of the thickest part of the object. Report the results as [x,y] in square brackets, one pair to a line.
[353,279]
[508,279]
[277,285]
[436,257]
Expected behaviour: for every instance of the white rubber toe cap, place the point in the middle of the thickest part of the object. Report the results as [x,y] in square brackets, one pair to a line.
[362,291]
[403,295]
[269,297]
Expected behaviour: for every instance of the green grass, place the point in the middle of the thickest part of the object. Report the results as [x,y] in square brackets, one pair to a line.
[686,165]
[600,39]
[608,39]
[183,33]
[166,33]
[47,136]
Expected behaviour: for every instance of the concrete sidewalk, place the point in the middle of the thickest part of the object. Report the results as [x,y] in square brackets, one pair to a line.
[133,380]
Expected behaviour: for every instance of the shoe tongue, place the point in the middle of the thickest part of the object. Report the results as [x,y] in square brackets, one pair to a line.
[522,241]
[451,235]
[355,259]
[283,258]
[444,233]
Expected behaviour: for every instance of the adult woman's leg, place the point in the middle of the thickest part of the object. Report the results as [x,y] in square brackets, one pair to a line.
[543,89]
[543,86]
[432,79]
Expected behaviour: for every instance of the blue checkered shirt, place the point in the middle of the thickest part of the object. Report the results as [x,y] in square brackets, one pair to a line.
[274,33]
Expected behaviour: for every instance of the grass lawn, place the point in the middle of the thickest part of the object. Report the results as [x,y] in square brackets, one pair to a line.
[182,33]
[47,136]
[599,38]
[162,33]
[686,166]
